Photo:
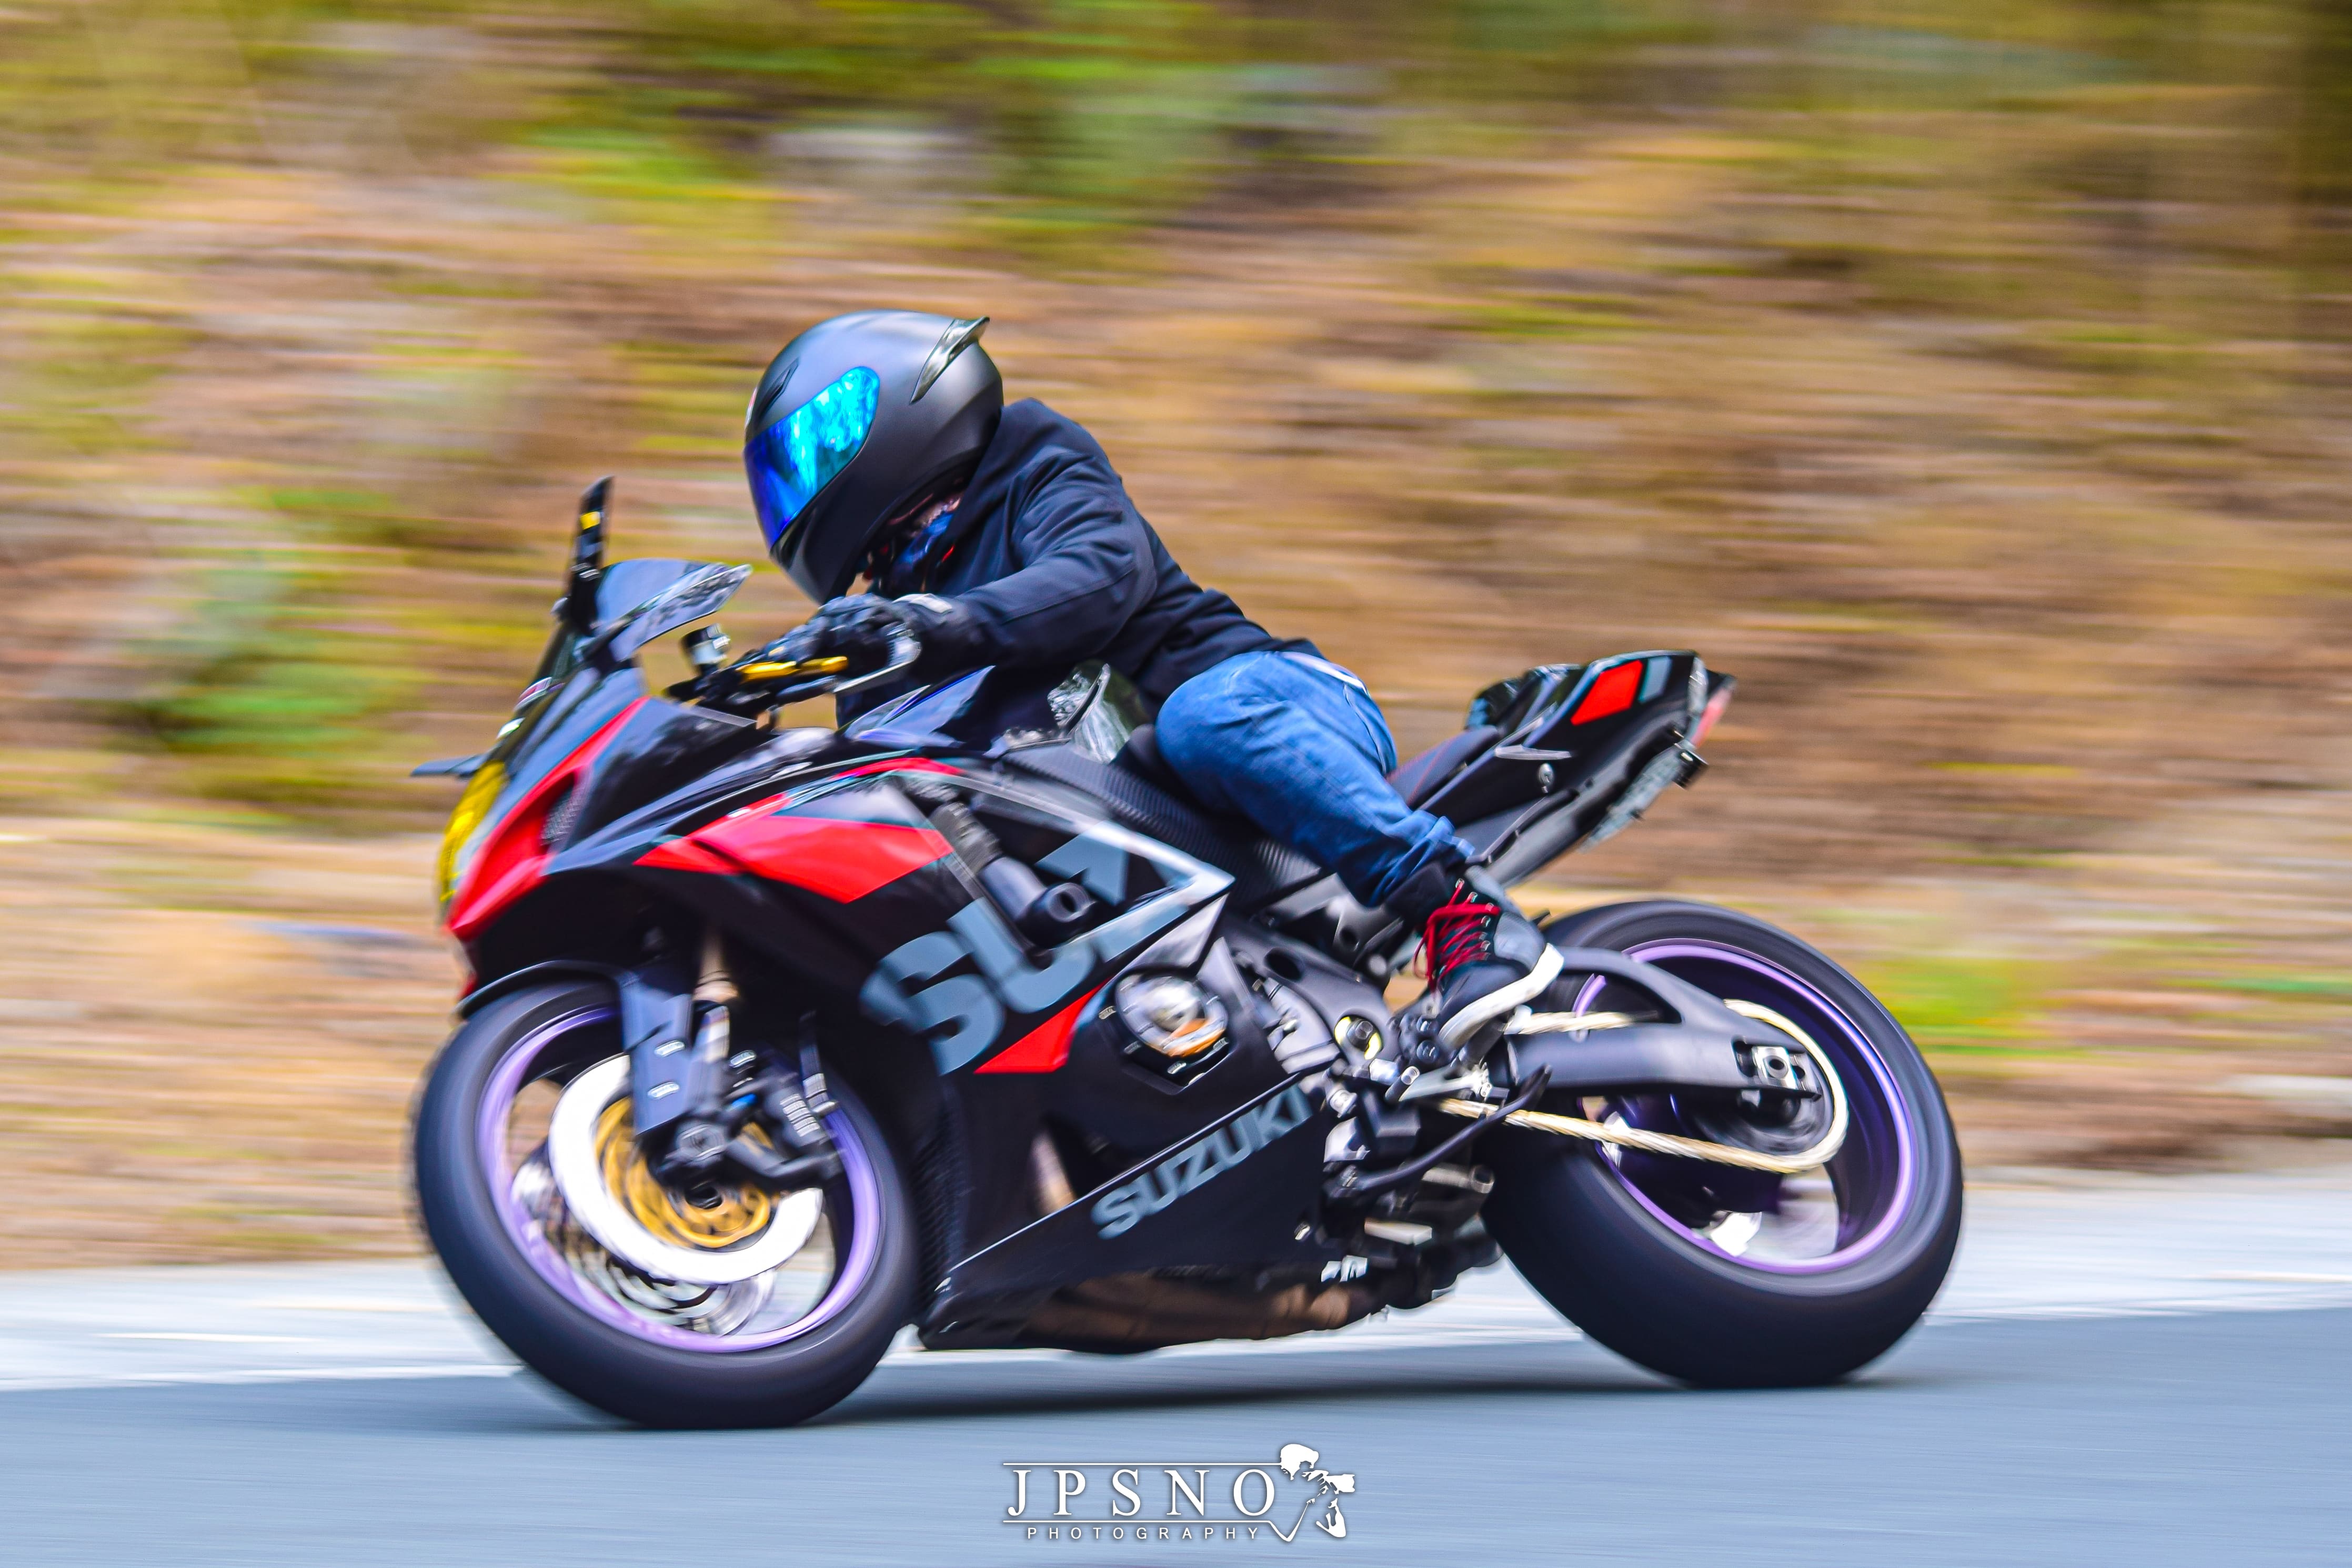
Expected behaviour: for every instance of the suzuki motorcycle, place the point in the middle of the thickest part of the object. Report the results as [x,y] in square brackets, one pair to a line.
[965,1016]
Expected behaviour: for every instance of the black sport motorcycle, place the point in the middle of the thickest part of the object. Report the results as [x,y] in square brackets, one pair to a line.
[965,1016]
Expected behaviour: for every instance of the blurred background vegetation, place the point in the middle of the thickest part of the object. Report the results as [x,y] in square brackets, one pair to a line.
[312,309]
[1970,379]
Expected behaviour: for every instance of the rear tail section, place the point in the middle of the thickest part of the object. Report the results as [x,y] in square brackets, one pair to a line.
[1581,752]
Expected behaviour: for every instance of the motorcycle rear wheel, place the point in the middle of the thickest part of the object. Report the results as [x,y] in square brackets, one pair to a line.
[648,1351]
[1719,1278]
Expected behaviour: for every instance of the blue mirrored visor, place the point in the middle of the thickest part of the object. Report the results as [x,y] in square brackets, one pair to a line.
[798,456]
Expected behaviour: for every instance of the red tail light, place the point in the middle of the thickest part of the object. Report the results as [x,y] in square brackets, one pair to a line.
[1713,710]
[1613,692]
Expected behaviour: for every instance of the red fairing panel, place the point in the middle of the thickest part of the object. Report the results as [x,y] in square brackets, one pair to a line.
[1045,1048]
[685,855]
[843,861]
[515,856]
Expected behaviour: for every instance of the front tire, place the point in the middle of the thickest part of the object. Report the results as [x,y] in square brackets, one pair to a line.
[1720,1279]
[555,1306]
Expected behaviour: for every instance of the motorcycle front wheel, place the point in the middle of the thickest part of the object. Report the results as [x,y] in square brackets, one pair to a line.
[1720,1277]
[828,1275]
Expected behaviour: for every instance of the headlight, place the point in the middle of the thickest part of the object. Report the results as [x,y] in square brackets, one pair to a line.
[472,807]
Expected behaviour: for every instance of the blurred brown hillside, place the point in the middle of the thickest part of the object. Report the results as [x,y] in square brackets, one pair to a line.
[1971,380]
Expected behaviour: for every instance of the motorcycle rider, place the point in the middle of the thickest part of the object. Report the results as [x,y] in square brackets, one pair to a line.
[878,446]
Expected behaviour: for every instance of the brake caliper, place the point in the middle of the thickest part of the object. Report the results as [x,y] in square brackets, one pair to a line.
[782,1107]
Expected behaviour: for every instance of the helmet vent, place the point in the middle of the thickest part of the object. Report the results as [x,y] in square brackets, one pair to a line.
[765,397]
[960,335]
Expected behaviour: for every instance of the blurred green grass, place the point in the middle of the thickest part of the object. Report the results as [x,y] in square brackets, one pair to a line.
[1978,1006]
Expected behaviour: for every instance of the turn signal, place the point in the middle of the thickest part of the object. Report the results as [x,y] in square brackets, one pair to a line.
[472,806]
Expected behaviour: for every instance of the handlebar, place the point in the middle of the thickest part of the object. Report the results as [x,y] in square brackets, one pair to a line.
[779,669]
[764,683]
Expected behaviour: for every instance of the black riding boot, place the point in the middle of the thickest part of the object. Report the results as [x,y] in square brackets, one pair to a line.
[1485,959]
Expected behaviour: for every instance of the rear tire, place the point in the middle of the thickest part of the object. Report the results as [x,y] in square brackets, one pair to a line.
[1654,1290]
[609,1366]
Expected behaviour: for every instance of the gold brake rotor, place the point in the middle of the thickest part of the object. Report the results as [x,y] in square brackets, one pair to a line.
[739,1213]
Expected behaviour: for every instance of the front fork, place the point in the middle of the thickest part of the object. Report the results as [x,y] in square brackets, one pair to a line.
[696,1100]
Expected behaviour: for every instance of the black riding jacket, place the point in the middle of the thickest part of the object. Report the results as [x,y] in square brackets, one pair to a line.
[1048,564]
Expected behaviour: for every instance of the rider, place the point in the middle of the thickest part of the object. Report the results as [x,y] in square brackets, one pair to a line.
[878,445]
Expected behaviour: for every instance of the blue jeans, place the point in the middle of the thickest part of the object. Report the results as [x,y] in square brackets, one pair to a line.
[1297,746]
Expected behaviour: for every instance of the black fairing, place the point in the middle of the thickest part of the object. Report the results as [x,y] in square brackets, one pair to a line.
[1096,1092]
[662,750]
[1176,1210]
[972,713]
[1262,869]
[1499,781]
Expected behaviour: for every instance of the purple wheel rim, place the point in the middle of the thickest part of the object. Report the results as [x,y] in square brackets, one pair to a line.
[1882,1114]
[850,1276]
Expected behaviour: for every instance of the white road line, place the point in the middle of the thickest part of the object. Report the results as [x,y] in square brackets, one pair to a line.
[263,1375]
[216,1339]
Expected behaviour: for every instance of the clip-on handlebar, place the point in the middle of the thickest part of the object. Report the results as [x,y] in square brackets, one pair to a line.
[757,684]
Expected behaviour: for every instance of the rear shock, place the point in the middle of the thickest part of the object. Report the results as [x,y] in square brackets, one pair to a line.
[1042,914]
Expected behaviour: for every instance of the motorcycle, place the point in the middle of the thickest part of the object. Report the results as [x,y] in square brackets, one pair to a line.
[965,1016]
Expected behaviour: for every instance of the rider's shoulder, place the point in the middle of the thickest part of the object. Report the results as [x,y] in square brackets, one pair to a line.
[1031,430]
[1037,451]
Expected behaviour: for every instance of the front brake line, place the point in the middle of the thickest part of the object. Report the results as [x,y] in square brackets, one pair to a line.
[1669,1143]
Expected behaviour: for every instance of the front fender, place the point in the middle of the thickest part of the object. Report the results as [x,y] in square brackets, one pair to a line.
[514,979]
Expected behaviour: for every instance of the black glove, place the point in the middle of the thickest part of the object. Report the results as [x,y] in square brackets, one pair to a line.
[865,628]
[869,631]
[862,631]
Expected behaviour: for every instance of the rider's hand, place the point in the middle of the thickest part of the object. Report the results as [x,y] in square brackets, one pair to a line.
[851,633]
[865,628]
[870,631]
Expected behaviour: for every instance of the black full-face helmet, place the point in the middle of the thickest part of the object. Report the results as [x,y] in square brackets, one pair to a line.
[860,420]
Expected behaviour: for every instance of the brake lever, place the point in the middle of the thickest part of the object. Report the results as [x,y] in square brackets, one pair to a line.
[905,649]
[734,684]
[778,669]
[822,676]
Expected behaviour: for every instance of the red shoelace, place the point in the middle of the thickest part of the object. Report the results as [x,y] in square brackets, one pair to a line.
[1457,934]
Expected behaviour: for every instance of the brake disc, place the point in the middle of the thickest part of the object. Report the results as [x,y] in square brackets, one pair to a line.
[717,1247]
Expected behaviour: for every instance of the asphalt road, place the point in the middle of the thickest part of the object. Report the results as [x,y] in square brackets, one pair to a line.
[2121,1373]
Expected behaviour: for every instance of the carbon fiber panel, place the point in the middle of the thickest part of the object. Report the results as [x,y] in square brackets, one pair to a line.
[1262,869]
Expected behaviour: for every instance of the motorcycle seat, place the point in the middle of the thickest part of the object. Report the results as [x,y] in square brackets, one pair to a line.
[1140,756]
[1416,779]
